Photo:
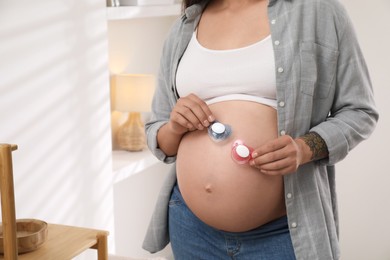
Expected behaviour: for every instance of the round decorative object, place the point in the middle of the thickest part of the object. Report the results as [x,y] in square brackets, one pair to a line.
[30,233]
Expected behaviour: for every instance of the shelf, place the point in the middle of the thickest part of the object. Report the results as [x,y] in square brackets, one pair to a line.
[132,12]
[126,164]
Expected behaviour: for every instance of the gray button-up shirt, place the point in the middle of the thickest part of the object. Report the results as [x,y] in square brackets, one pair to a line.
[322,85]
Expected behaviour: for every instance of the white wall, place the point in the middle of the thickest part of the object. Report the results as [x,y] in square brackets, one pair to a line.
[54,103]
[135,45]
[364,177]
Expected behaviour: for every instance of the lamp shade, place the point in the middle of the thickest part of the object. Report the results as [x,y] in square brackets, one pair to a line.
[132,92]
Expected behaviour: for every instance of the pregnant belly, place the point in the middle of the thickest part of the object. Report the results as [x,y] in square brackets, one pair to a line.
[223,194]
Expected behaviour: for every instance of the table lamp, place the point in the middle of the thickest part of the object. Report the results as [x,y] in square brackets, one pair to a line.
[132,93]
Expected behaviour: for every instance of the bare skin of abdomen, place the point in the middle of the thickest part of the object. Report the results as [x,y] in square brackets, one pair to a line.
[223,194]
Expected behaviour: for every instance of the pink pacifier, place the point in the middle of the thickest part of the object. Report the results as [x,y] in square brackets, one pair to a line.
[241,153]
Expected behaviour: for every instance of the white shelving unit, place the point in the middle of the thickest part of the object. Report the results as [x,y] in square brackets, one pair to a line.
[137,176]
[132,12]
[127,164]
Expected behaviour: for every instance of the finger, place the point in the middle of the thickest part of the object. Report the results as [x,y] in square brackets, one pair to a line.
[275,165]
[180,120]
[271,146]
[186,109]
[188,116]
[269,157]
[283,171]
[203,110]
[281,167]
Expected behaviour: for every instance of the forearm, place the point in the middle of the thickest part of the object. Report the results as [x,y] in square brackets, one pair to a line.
[313,147]
[168,140]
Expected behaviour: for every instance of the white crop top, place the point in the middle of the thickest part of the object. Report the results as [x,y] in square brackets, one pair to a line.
[246,73]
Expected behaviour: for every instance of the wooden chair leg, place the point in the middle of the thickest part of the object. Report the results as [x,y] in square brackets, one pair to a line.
[8,202]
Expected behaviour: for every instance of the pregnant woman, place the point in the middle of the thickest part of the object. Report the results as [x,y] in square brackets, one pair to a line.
[256,102]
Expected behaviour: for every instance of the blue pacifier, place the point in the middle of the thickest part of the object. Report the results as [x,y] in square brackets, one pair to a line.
[218,131]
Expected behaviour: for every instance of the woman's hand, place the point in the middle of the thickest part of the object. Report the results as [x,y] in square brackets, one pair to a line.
[190,113]
[280,156]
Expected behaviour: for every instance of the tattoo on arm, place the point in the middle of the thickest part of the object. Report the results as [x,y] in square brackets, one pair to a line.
[316,144]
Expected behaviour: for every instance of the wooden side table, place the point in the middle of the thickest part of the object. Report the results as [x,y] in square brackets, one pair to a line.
[62,243]
[66,242]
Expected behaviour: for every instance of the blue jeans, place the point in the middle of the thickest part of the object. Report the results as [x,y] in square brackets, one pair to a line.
[193,239]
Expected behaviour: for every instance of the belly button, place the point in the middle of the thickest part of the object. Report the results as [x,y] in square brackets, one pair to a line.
[208,188]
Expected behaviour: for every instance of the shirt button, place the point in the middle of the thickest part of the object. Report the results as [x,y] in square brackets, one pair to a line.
[273,21]
[282,104]
[294,225]
[277,43]
[280,69]
[282,132]
[289,195]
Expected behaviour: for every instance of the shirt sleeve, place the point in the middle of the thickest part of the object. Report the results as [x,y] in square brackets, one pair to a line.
[163,100]
[353,116]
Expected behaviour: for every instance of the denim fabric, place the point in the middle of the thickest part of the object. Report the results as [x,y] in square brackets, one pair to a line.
[193,239]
